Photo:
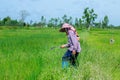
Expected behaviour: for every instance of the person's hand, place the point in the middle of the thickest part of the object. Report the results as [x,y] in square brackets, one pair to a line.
[78,38]
[63,46]
[73,52]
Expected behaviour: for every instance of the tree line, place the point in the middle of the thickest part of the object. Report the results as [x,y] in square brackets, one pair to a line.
[88,20]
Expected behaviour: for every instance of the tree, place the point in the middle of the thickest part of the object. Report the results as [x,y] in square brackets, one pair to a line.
[31,22]
[98,24]
[89,17]
[14,23]
[55,22]
[23,15]
[43,21]
[105,21]
[66,19]
[111,26]
[70,20]
[1,22]
[59,22]
[78,22]
[7,21]
[51,23]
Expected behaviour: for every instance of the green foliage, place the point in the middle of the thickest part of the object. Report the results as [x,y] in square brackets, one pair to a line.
[7,21]
[87,21]
[67,19]
[89,17]
[43,21]
[78,23]
[54,22]
[105,22]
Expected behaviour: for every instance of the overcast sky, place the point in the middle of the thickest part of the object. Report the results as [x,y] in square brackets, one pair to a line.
[57,8]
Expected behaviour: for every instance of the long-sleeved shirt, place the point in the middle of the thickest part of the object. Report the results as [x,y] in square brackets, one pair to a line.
[73,43]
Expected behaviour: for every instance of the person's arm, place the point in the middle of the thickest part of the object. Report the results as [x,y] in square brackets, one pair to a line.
[64,45]
[73,41]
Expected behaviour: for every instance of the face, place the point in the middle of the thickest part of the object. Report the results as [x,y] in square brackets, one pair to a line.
[66,30]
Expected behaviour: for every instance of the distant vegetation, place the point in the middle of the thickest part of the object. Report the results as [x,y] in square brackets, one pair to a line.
[87,21]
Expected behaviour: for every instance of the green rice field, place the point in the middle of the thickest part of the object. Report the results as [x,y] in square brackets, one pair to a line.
[26,54]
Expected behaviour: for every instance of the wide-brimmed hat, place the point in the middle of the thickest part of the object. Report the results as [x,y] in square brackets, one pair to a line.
[65,26]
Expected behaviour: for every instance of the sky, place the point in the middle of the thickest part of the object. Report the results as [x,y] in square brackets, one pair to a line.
[57,8]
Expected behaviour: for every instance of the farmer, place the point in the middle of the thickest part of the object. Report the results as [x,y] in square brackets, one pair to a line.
[73,45]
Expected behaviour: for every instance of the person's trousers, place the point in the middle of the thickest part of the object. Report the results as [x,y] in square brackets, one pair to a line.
[69,58]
